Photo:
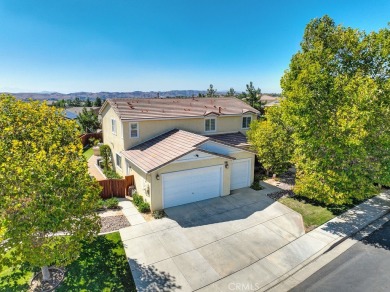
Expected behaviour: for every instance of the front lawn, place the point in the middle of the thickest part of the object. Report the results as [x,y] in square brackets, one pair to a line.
[312,215]
[88,153]
[102,266]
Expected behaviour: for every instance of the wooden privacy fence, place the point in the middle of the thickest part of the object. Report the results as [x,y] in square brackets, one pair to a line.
[85,137]
[116,187]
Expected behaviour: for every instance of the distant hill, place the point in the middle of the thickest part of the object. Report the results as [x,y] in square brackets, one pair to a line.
[93,95]
[46,95]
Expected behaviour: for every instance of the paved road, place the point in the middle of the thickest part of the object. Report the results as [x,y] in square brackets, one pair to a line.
[363,267]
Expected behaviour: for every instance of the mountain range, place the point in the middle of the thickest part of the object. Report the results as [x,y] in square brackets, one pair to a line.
[104,95]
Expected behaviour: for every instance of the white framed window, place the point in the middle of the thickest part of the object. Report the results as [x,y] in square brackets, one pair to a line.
[134,131]
[118,160]
[210,125]
[113,126]
[246,122]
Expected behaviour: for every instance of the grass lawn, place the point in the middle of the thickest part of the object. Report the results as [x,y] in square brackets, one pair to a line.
[312,215]
[102,266]
[88,153]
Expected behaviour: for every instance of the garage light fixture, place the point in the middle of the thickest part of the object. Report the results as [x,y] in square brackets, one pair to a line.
[157,176]
[226,165]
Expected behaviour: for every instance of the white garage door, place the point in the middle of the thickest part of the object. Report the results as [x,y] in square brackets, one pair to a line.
[193,185]
[240,176]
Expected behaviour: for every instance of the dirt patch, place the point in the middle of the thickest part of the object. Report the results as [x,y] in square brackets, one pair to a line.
[37,285]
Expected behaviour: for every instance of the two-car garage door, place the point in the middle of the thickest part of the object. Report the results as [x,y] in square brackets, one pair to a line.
[192,185]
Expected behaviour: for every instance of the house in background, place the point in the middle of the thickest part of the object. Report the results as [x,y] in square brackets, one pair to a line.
[180,150]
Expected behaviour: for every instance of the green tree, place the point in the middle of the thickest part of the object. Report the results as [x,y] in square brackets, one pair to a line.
[47,198]
[98,102]
[77,102]
[211,92]
[271,139]
[253,96]
[88,103]
[231,92]
[88,120]
[336,98]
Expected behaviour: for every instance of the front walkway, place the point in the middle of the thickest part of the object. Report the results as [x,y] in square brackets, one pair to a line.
[130,211]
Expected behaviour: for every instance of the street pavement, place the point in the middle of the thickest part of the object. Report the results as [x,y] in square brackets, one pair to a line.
[363,267]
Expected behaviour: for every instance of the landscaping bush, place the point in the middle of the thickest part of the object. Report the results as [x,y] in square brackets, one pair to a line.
[111,174]
[112,203]
[137,199]
[158,214]
[144,207]
[256,186]
[100,205]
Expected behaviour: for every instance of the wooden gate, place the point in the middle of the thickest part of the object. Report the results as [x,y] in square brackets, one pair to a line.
[116,187]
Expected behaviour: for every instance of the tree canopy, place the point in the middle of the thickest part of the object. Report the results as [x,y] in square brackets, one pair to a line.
[47,198]
[337,101]
[211,92]
[271,139]
[88,120]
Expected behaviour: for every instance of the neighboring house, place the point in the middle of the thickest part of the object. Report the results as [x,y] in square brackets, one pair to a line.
[79,110]
[270,100]
[180,150]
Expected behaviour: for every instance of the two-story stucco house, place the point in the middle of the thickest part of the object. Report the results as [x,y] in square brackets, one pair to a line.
[180,150]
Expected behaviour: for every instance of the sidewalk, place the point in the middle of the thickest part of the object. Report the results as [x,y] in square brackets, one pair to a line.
[299,253]
[93,169]
[130,211]
[279,265]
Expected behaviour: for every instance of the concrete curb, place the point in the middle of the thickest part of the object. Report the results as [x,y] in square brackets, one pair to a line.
[354,226]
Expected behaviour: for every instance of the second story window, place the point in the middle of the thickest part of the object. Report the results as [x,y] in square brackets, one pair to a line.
[246,122]
[113,126]
[209,125]
[134,130]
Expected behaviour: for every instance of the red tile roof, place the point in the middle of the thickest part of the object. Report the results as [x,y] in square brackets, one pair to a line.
[167,108]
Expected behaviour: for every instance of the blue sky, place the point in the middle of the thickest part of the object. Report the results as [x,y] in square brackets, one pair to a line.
[118,45]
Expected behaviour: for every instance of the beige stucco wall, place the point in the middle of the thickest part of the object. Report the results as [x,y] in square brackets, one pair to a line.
[114,141]
[150,129]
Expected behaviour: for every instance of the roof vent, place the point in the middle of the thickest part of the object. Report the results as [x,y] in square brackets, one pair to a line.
[220,110]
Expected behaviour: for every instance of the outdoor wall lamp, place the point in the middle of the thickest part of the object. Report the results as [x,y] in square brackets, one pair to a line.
[157,176]
[226,165]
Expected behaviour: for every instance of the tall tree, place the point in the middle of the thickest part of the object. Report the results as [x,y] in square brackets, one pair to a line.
[88,103]
[77,102]
[271,139]
[211,92]
[253,95]
[47,198]
[336,99]
[98,102]
[88,120]
[231,92]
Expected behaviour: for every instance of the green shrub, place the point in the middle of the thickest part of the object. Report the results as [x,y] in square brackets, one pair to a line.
[112,203]
[144,207]
[256,186]
[158,214]
[100,205]
[111,174]
[137,199]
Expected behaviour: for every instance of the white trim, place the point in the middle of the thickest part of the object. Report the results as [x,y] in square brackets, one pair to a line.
[215,125]
[116,162]
[242,121]
[130,123]
[114,125]
[127,166]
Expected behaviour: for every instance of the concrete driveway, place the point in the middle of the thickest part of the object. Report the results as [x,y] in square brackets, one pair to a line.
[205,245]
